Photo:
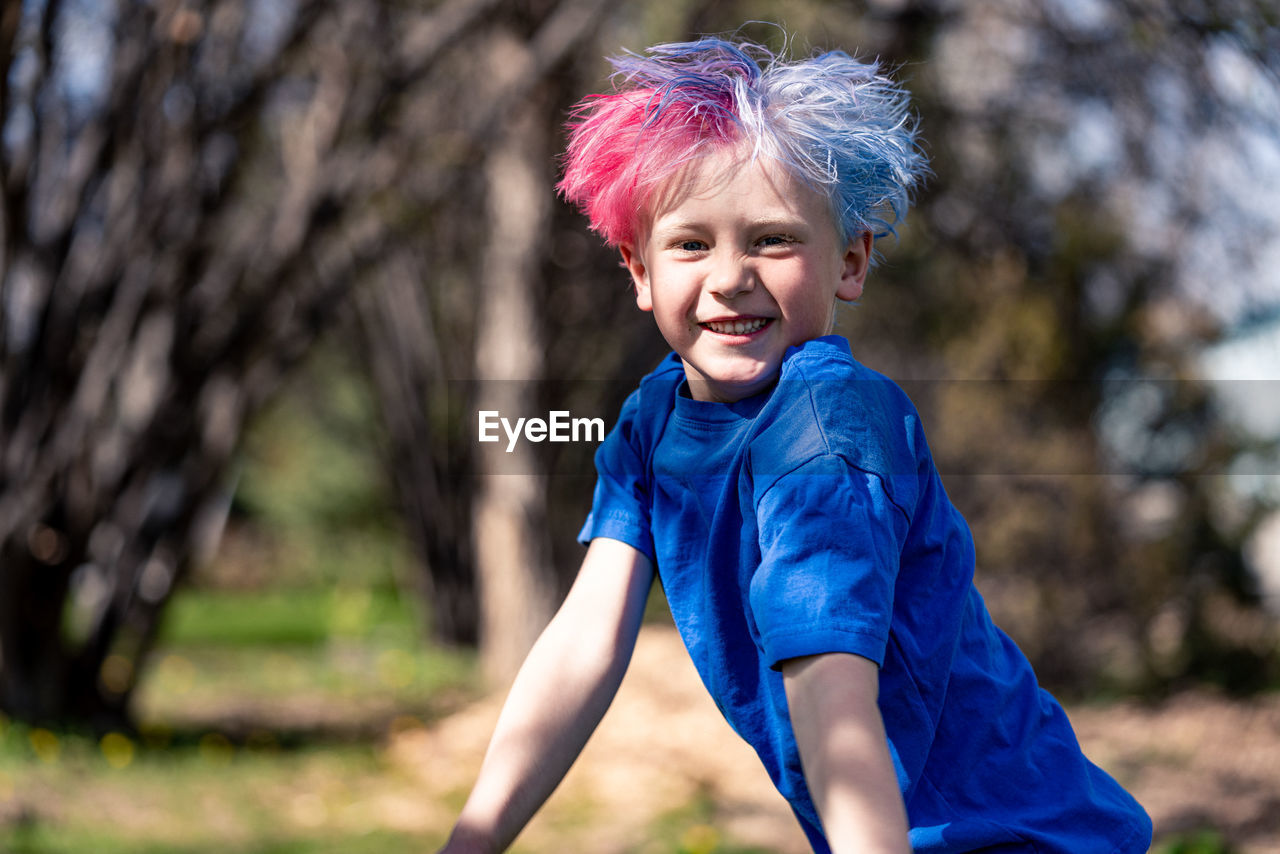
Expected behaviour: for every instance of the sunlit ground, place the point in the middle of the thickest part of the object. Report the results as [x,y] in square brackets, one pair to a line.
[264,725]
[331,728]
[296,722]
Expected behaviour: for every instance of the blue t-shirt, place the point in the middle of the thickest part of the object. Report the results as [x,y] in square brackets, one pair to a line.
[810,519]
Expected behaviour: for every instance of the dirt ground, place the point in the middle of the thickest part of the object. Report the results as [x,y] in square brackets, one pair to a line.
[1197,762]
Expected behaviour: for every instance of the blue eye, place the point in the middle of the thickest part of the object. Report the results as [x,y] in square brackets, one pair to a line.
[775,240]
[693,245]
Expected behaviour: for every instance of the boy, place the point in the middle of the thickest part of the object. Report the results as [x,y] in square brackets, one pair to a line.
[819,576]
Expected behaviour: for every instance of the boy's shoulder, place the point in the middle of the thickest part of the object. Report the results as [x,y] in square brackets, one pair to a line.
[843,394]
[827,404]
[829,360]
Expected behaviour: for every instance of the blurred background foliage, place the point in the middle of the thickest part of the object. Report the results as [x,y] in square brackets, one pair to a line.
[263,260]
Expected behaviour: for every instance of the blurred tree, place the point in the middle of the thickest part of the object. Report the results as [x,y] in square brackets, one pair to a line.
[190,193]
[473,338]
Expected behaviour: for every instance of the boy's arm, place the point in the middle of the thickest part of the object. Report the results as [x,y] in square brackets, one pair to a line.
[844,752]
[562,690]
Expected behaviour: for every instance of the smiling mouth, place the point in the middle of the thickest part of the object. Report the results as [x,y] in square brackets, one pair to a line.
[736,327]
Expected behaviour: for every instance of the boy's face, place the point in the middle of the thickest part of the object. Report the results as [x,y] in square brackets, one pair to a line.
[741,264]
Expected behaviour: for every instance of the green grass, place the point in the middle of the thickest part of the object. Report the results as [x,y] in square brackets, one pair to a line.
[214,785]
[41,839]
[265,719]
[297,617]
[350,653]
[1201,842]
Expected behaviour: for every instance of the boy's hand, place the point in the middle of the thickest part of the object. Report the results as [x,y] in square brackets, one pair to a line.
[845,753]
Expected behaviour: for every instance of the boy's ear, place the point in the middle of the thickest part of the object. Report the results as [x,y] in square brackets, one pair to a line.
[857,260]
[639,275]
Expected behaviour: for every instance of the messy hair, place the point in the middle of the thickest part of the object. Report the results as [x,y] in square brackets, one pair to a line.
[833,122]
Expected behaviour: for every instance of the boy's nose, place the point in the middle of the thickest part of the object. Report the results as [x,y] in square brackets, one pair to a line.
[731,275]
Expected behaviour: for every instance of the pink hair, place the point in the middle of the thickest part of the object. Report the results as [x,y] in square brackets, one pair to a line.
[620,150]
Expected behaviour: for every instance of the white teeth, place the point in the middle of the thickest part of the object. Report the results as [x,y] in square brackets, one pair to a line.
[736,327]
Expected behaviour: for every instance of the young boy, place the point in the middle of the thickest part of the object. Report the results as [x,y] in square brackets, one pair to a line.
[785,495]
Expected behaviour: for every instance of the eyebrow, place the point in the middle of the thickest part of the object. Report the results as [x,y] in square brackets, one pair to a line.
[764,223]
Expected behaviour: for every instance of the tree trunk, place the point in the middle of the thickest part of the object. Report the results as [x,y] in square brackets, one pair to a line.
[512,547]
[424,461]
[33,659]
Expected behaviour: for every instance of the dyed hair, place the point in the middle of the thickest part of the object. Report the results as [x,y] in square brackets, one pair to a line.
[833,122]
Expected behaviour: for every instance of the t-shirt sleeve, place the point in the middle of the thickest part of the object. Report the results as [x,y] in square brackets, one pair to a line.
[620,504]
[830,538]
